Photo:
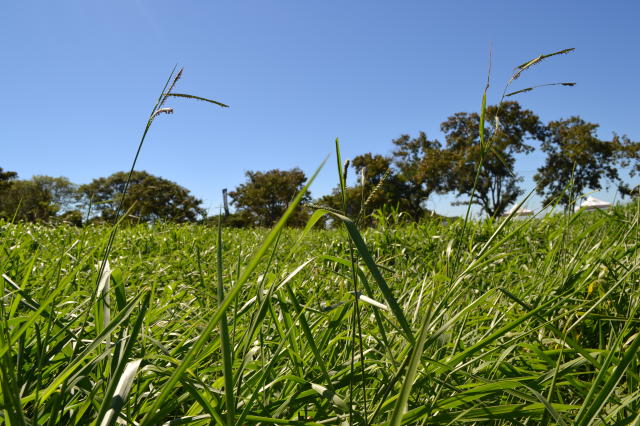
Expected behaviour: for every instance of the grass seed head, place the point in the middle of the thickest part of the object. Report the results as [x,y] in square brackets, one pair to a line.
[161,111]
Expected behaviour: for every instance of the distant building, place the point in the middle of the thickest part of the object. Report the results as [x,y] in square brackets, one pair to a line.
[520,212]
[592,203]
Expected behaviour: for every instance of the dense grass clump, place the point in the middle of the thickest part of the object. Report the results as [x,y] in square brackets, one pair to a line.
[488,322]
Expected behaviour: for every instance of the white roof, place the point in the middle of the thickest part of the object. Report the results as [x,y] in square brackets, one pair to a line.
[521,211]
[591,203]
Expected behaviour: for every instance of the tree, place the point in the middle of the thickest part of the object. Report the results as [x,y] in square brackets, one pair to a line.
[62,192]
[576,157]
[263,199]
[6,178]
[24,201]
[508,127]
[421,165]
[38,199]
[376,186]
[150,198]
[403,181]
[628,155]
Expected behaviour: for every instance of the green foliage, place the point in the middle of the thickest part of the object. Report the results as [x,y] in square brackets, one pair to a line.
[63,193]
[6,178]
[539,324]
[376,185]
[422,166]
[403,182]
[576,160]
[149,198]
[37,199]
[232,220]
[508,127]
[625,190]
[265,196]
[488,322]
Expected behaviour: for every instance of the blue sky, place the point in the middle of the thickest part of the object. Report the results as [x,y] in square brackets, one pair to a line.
[80,78]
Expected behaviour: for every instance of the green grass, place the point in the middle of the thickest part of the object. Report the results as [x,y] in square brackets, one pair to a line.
[496,322]
[516,323]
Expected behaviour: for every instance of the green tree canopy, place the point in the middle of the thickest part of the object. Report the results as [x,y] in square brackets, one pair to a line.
[378,184]
[63,193]
[151,198]
[576,157]
[421,166]
[403,181]
[38,199]
[629,156]
[508,128]
[264,197]
[6,178]
[373,172]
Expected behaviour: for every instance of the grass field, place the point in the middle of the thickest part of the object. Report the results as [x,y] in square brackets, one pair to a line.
[522,322]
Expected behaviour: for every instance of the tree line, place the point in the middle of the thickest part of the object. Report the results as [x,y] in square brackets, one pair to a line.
[418,167]
[55,199]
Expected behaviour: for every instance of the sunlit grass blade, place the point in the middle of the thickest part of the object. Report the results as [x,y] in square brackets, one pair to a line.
[76,362]
[35,315]
[595,400]
[13,411]
[377,276]
[309,336]
[331,396]
[124,372]
[121,392]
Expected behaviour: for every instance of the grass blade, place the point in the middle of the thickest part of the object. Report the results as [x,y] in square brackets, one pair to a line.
[225,341]
[377,276]
[123,373]
[121,392]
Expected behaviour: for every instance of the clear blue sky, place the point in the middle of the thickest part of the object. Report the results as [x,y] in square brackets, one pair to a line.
[80,77]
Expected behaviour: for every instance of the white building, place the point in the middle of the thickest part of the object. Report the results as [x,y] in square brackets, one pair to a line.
[592,203]
[521,211]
